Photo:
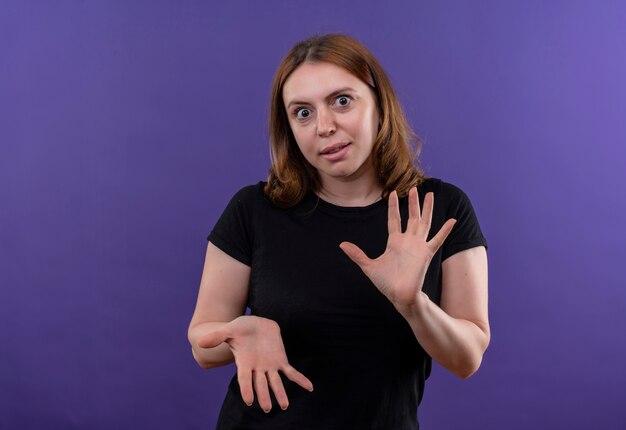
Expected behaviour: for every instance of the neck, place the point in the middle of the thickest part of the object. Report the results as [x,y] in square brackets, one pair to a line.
[351,194]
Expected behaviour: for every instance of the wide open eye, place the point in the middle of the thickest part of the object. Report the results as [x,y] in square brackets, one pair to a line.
[343,100]
[302,113]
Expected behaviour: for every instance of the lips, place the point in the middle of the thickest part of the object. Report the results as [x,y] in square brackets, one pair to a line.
[334,148]
[336,152]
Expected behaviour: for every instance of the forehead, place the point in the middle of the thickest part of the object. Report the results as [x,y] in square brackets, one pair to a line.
[312,81]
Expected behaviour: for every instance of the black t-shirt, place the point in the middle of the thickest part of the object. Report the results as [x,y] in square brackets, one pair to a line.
[365,363]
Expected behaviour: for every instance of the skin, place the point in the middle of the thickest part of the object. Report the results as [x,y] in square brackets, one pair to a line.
[328,106]
[220,333]
[456,334]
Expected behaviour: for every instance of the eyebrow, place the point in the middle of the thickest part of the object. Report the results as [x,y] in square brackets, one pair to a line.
[328,97]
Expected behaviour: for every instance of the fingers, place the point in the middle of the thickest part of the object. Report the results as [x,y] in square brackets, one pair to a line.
[262,382]
[414,211]
[276,384]
[425,220]
[436,242]
[356,254]
[294,376]
[213,339]
[393,214]
[244,377]
[420,220]
[262,391]
[249,378]
[427,215]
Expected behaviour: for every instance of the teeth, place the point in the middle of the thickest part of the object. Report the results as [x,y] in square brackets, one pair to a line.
[336,150]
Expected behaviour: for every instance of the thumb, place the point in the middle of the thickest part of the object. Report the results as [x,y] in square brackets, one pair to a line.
[356,254]
[442,234]
[213,339]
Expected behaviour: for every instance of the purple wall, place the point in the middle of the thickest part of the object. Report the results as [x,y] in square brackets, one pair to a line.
[125,126]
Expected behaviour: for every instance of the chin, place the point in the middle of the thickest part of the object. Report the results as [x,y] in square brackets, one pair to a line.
[341,174]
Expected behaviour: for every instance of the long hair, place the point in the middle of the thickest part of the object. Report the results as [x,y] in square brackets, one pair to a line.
[395,149]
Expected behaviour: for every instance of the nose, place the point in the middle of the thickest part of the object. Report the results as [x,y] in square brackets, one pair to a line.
[326,123]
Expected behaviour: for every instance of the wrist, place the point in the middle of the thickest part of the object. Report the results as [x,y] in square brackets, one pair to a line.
[416,307]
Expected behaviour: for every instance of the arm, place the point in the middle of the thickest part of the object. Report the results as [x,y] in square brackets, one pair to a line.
[455,335]
[220,333]
[221,299]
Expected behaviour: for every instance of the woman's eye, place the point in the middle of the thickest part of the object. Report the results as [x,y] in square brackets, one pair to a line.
[343,100]
[303,113]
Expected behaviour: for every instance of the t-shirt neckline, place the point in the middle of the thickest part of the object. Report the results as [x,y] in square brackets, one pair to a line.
[331,207]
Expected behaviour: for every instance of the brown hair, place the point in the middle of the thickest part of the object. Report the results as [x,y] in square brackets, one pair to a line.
[291,176]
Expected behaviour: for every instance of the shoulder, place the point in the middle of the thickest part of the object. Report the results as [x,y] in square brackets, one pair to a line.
[452,202]
[252,203]
[242,206]
[250,192]
[445,192]
[248,197]
[234,232]
[253,198]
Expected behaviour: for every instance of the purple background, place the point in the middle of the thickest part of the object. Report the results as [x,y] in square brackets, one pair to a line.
[125,127]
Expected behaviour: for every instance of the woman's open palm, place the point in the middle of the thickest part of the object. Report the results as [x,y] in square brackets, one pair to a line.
[400,271]
[259,354]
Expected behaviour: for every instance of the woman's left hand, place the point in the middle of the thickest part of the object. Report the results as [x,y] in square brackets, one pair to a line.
[400,271]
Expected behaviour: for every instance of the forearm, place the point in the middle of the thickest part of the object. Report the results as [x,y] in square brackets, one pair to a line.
[209,357]
[456,344]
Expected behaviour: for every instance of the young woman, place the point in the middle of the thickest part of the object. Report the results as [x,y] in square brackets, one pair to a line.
[357,269]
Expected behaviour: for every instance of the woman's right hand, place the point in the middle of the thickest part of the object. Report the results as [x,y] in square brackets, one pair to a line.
[259,355]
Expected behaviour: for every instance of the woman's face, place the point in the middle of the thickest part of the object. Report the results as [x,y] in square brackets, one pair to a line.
[334,118]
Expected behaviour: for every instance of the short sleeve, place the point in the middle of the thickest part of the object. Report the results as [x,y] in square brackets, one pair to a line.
[466,233]
[233,232]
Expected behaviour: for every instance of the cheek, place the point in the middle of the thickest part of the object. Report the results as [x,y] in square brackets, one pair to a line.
[296,132]
[369,125]
[299,140]
[302,136]
[303,144]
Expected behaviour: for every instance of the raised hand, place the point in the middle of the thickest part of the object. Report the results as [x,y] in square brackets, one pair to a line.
[259,355]
[400,271]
